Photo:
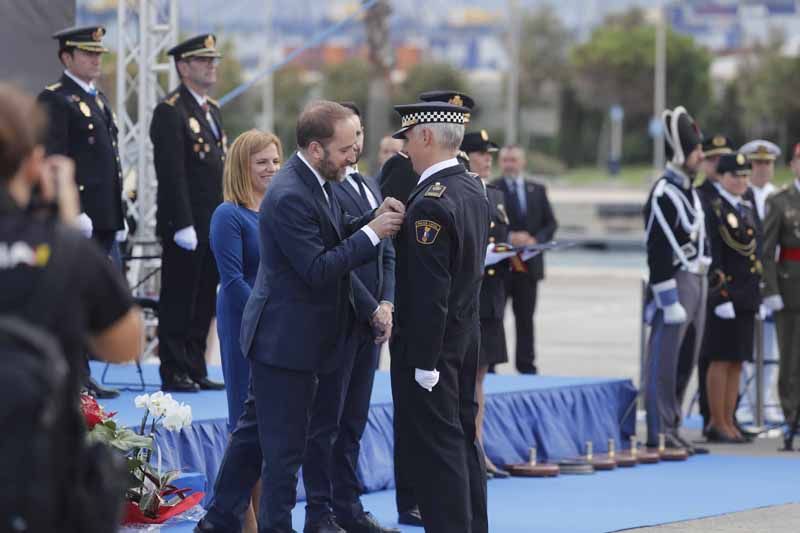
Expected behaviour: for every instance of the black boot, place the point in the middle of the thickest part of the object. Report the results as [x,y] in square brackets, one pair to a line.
[788,439]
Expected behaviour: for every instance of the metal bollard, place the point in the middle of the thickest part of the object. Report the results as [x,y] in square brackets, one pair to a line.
[758,416]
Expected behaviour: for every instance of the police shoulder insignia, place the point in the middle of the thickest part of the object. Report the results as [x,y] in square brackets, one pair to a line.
[212,101]
[426,231]
[54,86]
[403,154]
[172,99]
[435,191]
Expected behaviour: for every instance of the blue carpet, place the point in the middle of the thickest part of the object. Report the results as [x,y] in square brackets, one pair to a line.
[555,414]
[622,499]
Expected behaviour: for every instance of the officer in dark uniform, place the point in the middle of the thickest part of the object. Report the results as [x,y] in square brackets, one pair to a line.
[734,293]
[83,127]
[397,177]
[441,252]
[189,148]
[713,148]
[479,151]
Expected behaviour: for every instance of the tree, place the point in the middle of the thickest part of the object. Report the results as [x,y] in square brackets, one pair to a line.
[429,76]
[544,52]
[239,114]
[616,66]
[347,81]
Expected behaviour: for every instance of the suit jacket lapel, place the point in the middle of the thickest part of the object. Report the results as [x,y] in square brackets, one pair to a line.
[355,196]
[317,193]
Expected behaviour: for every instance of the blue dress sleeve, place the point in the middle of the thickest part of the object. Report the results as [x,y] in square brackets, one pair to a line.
[227,246]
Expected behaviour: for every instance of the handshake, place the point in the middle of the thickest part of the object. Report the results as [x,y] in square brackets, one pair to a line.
[388,218]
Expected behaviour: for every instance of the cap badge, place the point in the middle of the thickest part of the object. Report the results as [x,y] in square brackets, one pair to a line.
[209,42]
[97,35]
[718,141]
[456,100]
[484,135]
[740,160]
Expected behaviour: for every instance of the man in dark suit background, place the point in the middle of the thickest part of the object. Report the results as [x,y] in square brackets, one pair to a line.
[341,407]
[189,148]
[531,221]
[295,323]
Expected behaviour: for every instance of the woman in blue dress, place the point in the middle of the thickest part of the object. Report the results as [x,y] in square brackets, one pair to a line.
[252,160]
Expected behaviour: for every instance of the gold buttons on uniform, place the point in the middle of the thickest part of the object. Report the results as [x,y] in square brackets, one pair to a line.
[490,272]
[752,257]
[91,126]
[80,188]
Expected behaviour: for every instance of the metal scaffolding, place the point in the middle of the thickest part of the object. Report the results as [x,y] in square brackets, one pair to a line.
[146,29]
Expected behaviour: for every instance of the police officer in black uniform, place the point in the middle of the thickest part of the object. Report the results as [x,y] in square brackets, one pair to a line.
[734,293]
[82,127]
[479,150]
[397,177]
[441,251]
[189,148]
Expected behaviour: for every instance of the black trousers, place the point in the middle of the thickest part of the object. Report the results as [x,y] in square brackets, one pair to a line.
[185,308]
[338,419]
[403,460]
[523,289]
[447,473]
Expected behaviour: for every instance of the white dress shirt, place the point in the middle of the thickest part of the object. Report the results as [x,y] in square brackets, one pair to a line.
[433,169]
[760,194]
[88,87]
[349,171]
[373,237]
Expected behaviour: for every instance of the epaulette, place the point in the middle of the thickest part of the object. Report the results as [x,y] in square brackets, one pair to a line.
[54,86]
[212,102]
[435,191]
[172,99]
[402,154]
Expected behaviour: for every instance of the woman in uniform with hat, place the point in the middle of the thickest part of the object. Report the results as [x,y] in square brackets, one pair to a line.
[734,293]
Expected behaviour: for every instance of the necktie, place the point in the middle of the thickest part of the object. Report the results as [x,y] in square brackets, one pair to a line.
[521,199]
[360,182]
[327,187]
[206,109]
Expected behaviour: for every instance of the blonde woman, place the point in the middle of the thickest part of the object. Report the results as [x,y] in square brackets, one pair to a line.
[253,159]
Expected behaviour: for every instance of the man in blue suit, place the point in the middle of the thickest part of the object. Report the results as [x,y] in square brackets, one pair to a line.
[295,322]
[342,404]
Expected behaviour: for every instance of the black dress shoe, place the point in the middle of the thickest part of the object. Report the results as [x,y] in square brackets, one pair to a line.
[326,525]
[207,384]
[179,384]
[410,517]
[691,448]
[366,523]
[715,435]
[101,393]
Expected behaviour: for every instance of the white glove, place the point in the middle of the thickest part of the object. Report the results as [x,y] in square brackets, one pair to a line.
[427,379]
[774,303]
[763,312]
[122,235]
[725,311]
[674,314]
[493,257]
[84,224]
[186,238]
[666,298]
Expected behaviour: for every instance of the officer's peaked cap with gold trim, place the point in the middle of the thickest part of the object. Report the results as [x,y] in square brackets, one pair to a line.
[200,46]
[761,150]
[736,163]
[428,113]
[86,38]
[478,141]
[717,145]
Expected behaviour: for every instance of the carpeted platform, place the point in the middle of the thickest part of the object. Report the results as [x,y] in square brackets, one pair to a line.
[622,499]
[555,414]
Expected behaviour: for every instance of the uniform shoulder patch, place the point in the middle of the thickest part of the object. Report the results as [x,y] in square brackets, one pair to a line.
[54,86]
[426,231]
[212,101]
[403,155]
[435,191]
[172,99]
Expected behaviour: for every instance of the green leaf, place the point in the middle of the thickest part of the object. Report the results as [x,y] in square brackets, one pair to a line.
[127,440]
[101,433]
[169,477]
